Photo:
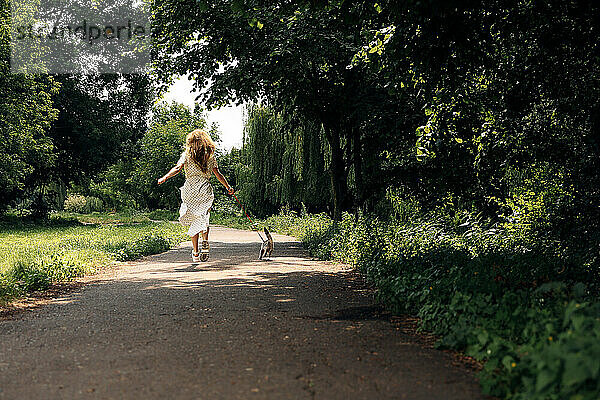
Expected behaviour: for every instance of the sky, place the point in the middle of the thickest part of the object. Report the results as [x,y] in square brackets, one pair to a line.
[230,119]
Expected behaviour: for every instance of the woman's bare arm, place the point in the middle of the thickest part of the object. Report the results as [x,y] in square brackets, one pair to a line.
[174,171]
[222,179]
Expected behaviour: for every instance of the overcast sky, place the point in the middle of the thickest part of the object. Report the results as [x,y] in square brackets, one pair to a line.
[229,118]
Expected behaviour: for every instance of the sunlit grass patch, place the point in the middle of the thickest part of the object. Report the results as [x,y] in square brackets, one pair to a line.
[33,256]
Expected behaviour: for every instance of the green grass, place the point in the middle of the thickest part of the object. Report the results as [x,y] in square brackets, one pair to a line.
[231,221]
[34,255]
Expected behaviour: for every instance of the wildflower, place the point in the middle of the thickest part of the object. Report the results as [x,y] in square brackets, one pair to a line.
[550,338]
[514,364]
[430,288]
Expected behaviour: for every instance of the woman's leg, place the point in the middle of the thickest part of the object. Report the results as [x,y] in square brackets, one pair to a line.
[205,234]
[195,242]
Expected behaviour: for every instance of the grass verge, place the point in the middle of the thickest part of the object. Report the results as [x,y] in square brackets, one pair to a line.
[34,255]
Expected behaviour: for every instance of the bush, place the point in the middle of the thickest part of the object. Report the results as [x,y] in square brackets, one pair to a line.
[113,188]
[76,203]
[29,276]
[38,272]
[93,204]
[491,292]
[8,289]
[226,206]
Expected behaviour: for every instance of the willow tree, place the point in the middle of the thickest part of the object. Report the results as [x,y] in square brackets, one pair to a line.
[284,162]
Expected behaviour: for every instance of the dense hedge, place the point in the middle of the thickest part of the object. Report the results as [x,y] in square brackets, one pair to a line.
[518,305]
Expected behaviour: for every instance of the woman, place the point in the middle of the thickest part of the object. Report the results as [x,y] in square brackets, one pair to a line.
[197,196]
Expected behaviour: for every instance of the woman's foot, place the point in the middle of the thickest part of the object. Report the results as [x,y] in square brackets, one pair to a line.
[204,253]
[195,256]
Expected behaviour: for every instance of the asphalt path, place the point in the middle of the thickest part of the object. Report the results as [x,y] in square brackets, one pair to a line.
[231,328]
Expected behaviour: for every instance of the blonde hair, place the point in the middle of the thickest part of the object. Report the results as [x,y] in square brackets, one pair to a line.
[199,147]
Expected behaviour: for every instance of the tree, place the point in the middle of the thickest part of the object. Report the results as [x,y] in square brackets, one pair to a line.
[283,162]
[26,114]
[101,117]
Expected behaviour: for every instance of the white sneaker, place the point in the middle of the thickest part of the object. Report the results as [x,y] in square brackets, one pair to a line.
[195,257]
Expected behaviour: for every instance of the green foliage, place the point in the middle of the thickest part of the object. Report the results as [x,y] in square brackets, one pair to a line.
[282,163]
[93,204]
[442,99]
[565,365]
[34,255]
[61,130]
[295,57]
[113,187]
[26,114]
[488,291]
[159,150]
[146,245]
[541,202]
[29,277]
[94,129]
[7,289]
[76,203]
[163,215]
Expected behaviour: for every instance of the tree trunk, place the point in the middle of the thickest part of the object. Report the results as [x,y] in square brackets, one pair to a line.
[336,171]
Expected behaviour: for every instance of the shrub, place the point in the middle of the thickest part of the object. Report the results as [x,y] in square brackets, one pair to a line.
[7,289]
[93,204]
[75,203]
[28,276]
[489,291]
[37,272]
[112,186]
[226,206]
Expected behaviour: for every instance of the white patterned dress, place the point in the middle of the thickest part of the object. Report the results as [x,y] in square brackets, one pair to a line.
[196,195]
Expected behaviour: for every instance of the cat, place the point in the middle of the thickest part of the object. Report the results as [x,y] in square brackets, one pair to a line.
[267,246]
